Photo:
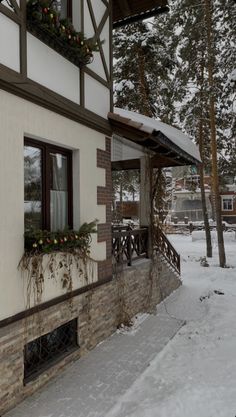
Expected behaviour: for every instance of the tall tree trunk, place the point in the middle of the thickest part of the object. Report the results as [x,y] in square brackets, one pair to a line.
[215,177]
[143,85]
[201,167]
[204,212]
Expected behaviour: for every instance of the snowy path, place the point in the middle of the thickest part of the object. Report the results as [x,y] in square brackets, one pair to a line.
[137,374]
[195,374]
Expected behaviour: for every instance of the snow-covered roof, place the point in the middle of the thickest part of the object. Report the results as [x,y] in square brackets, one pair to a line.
[164,134]
[130,11]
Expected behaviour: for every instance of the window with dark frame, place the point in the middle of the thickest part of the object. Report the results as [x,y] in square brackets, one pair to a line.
[48,349]
[227,204]
[47,187]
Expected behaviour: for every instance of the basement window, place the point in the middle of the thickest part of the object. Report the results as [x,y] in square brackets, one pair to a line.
[47,350]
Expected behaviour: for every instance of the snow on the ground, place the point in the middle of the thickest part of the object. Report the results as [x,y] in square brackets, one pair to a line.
[160,368]
[195,374]
[200,235]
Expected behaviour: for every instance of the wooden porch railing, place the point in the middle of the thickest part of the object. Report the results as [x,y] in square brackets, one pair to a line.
[163,245]
[129,245]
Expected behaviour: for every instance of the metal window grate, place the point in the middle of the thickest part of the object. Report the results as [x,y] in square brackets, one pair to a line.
[44,351]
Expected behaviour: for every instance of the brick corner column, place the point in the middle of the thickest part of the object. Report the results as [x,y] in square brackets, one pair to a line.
[104,197]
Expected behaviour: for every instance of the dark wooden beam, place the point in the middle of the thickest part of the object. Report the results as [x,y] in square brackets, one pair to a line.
[29,90]
[124,6]
[130,11]
[23,41]
[55,301]
[125,165]
[10,14]
[141,16]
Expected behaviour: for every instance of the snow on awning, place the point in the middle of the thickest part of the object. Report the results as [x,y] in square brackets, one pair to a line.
[171,146]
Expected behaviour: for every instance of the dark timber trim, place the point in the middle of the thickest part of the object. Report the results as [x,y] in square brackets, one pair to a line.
[41,307]
[23,41]
[17,82]
[10,14]
[14,83]
[141,16]
[98,31]
[111,58]
[93,74]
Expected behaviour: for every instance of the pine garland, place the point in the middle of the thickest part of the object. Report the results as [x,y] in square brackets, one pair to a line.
[44,21]
[42,241]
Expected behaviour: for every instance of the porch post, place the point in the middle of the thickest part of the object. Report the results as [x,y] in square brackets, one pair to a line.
[145,200]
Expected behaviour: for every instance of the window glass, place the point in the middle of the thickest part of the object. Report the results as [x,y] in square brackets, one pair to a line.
[227,204]
[58,192]
[33,188]
[48,193]
[62,7]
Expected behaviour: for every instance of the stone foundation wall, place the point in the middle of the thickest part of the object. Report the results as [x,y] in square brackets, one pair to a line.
[99,311]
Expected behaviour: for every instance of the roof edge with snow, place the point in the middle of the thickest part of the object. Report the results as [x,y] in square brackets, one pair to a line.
[171,146]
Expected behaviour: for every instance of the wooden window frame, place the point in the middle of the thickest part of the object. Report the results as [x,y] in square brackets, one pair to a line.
[69,10]
[224,198]
[46,149]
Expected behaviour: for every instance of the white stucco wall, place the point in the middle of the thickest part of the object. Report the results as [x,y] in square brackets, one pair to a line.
[19,118]
[50,69]
[9,43]
[97,97]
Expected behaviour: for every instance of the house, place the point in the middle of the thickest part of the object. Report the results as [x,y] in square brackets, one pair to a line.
[228,200]
[186,197]
[59,295]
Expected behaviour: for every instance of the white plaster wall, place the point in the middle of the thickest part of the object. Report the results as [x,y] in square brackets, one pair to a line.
[9,43]
[97,97]
[47,67]
[99,9]
[88,24]
[106,47]
[18,118]
[76,10]
[97,66]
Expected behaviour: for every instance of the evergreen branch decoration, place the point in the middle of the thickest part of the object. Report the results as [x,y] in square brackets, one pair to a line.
[53,255]
[43,21]
[42,241]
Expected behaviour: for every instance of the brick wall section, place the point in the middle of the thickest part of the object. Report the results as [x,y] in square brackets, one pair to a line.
[104,196]
[99,312]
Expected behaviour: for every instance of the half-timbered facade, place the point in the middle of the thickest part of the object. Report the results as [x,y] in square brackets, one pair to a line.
[55,175]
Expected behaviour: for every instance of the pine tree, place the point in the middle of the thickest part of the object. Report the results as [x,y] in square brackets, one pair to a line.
[195,91]
[141,68]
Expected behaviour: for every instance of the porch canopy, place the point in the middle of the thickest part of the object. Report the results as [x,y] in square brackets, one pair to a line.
[130,11]
[167,145]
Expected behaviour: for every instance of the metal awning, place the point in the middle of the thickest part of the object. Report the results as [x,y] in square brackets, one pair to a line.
[130,11]
[168,145]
